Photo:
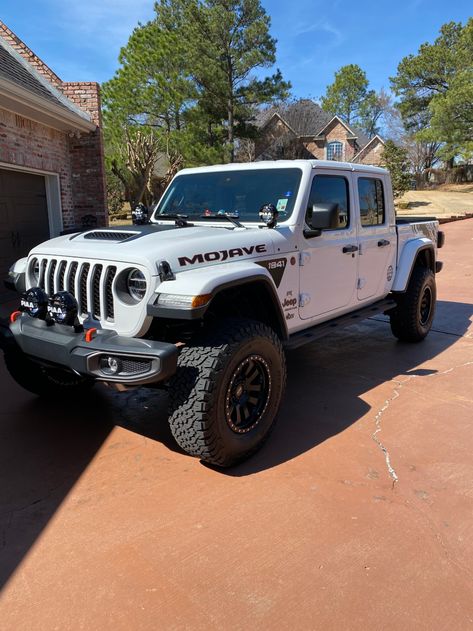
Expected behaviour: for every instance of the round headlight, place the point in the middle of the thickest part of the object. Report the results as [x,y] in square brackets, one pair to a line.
[34,302]
[63,308]
[136,284]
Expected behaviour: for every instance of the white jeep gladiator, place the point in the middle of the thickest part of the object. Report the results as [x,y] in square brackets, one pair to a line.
[238,262]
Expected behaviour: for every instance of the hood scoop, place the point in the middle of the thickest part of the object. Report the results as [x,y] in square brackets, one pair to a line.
[109,235]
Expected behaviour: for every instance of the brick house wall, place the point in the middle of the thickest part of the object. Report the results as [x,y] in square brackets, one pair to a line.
[87,155]
[26,143]
[372,153]
[77,158]
[335,131]
[303,130]
[275,129]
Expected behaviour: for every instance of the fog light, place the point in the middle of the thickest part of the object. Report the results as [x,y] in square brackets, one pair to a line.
[268,213]
[63,308]
[110,365]
[34,302]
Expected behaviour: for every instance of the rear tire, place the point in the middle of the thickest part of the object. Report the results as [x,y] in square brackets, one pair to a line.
[45,381]
[412,318]
[226,393]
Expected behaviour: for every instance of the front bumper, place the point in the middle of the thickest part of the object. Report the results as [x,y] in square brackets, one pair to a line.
[142,361]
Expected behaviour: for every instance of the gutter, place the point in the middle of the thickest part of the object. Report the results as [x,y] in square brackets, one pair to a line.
[21,101]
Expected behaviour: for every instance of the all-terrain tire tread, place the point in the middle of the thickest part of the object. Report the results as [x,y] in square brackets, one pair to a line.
[404,320]
[192,389]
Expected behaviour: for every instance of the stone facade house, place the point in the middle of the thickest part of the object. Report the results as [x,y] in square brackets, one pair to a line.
[303,130]
[51,152]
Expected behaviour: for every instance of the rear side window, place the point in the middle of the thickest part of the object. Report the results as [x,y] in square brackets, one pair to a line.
[371,196]
[328,190]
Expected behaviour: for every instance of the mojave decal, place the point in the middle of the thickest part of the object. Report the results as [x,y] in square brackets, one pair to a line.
[221,255]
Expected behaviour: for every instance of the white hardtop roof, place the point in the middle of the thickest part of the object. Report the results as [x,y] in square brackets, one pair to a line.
[286,164]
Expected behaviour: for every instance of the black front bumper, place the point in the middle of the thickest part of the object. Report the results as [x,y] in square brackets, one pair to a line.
[143,361]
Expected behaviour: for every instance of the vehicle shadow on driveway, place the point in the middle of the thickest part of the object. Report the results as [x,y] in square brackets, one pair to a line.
[44,449]
[326,384]
[327,381]
[46,446]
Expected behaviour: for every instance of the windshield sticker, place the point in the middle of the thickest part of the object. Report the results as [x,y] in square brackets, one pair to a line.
[281,205]
[288,194]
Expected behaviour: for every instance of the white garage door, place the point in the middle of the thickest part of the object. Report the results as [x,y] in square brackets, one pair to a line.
[23,218]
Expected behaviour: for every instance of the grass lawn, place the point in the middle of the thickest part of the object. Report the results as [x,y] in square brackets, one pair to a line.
[448,200]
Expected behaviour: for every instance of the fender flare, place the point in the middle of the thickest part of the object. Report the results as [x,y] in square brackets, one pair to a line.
[215,285]
[410,252]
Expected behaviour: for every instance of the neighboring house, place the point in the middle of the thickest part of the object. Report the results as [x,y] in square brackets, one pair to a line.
[51,152]
[304,130]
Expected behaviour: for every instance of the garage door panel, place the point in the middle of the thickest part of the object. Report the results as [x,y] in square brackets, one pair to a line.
[24,218]
[6,250]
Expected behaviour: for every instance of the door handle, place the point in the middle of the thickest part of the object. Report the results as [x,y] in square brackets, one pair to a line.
[348,249]
[383,243]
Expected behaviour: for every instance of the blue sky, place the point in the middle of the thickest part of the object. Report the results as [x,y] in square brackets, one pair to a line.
[81,39]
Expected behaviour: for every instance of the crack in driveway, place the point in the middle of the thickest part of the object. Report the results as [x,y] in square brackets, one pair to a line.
[396,394]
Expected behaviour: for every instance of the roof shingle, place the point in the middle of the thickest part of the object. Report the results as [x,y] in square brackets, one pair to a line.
[306,118]
[18,71]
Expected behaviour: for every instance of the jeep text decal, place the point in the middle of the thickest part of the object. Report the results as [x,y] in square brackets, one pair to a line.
[221,255]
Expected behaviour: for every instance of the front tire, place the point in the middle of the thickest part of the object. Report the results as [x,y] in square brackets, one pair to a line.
[412,318]
[226,393]
[49,382]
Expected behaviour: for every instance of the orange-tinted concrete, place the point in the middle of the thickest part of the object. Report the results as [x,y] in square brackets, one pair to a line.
[105,524]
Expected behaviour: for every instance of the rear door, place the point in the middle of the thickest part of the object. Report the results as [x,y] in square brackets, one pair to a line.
[376,237]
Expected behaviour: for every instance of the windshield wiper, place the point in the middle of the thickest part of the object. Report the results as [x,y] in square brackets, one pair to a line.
[181,220]
[227,216]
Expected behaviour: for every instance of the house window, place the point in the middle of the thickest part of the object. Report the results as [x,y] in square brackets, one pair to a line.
[335,150]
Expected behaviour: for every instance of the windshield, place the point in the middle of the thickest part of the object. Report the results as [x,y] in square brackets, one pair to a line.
[237,193]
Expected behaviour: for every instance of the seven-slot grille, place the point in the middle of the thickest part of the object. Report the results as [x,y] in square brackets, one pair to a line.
[90,283]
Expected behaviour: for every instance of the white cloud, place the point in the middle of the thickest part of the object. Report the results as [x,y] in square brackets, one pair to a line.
[321,27]
[108,22]
[89,35]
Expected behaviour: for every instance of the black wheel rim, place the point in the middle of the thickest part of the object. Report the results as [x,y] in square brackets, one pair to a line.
[425,306]
[248,394]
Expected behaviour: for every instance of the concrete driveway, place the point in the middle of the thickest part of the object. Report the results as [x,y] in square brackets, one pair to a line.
[357,514]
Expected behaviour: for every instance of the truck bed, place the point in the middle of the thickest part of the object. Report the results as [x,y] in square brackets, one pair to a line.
[406,219]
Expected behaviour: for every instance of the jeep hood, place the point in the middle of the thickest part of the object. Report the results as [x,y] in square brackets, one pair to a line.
[183,248]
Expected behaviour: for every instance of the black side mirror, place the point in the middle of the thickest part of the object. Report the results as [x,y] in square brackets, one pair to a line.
[322,217]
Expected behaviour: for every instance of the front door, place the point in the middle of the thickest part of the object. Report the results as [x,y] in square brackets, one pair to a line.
[377,239]
[328,269]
